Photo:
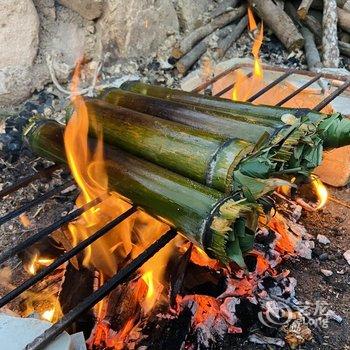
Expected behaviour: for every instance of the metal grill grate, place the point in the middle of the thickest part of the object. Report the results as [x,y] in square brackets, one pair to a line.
[340,84]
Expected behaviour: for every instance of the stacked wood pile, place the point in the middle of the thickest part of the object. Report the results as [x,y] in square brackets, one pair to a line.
[319,27]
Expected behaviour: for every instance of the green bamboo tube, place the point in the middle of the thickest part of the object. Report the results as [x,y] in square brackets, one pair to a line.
[203,157]
[335,132]
[232,126]
[221,225]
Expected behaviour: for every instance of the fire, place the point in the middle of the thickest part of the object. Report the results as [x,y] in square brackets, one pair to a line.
[321,191]
[149,300]
[244,86]
[48,315]
[37,262]
[200,257]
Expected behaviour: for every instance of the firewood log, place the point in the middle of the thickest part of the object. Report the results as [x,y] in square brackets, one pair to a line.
[312,55]
[315,27]
[223,7]
[279,22]
[303,8]
[344,19]
[344,48]
[330,34]
[191,57]
[193,38]
[227,42]
[343,4]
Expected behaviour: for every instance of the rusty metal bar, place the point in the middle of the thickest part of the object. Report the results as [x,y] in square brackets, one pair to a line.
[332,96]
[271,85]
[228,88]
[65,257]
[28,179]
[300,89]
[119,278]
[47,230]
[34,202]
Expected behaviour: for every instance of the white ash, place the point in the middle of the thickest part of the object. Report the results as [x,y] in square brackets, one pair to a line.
[346,255]
[228,310]
[326,273]
[263,340]
[304,249]
[323,239]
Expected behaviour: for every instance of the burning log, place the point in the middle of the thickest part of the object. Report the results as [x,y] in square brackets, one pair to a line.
[330,34]
[223,226]
[193,38]
[279,22]
[333,130]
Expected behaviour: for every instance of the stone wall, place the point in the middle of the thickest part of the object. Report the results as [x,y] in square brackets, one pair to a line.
[64,30]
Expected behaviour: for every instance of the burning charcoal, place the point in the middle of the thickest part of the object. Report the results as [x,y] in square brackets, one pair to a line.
[247,313]
[203,280]
[72,293]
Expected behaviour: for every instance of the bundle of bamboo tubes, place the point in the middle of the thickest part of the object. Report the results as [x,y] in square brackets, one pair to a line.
[203,164]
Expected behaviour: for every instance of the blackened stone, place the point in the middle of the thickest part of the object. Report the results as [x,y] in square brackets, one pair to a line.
[247,313]
[14,147]
[29,106]
[5,139]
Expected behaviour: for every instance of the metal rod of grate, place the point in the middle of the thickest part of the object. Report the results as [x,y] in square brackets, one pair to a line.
[65,257]
[46,172]
[97,296]
[47,230]
[286,74]
[35,201]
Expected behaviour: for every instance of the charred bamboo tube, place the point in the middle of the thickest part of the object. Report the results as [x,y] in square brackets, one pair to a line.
[335,136]
[206,158]
[223,226]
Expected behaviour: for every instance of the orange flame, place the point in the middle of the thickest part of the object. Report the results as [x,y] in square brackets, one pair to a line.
[321,191]
[37,262]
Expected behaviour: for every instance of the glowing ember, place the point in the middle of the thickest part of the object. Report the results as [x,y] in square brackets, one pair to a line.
[23,218]
[149,299]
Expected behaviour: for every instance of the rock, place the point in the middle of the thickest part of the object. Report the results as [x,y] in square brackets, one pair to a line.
[89,9]
[190,12]
[333,316]
[137,29]
[19,33]
[18,83]
[335,167]
[323,239]
[326,273]
[346,255]
[29,328]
